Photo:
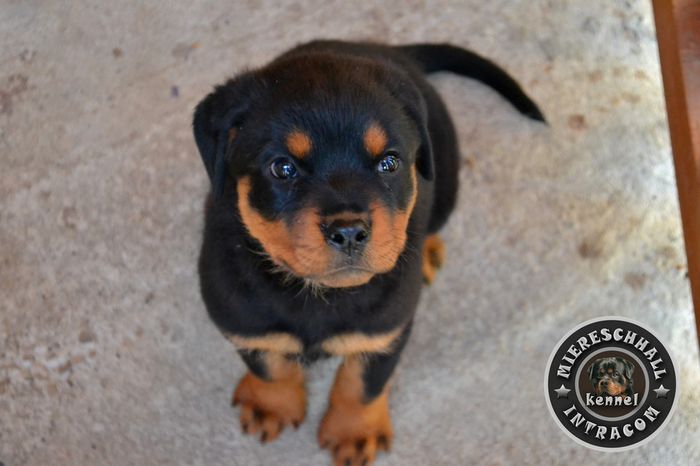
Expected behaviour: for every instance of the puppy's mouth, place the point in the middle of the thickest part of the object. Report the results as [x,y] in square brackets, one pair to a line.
[610,389]
[344,277]
[341,277]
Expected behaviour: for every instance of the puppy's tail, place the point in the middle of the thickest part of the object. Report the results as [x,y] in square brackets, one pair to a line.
[446,57]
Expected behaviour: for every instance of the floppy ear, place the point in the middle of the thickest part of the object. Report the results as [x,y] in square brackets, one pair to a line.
[214,117]
[629,369]
[590,372]
[410,97]
[424,158]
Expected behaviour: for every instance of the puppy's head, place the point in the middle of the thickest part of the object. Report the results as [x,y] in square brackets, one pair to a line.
[323,155]
[611,376]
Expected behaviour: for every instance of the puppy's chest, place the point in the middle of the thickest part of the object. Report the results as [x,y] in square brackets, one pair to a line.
[341,344]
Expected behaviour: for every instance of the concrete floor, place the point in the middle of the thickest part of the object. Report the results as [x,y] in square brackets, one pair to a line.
[106,354]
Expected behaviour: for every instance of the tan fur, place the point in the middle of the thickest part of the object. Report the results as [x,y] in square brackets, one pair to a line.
[612,389]
[389,231]
[299,144]
[375,139]
[358,343]
[299,247]
[268,406]
[274,342]
[353,430]
[346,279]
[433,257]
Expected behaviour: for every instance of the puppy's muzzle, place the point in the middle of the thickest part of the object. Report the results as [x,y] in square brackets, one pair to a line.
[347,236]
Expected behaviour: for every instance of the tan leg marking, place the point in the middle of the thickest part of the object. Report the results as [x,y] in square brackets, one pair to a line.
[267,407]
[351,430]
[433,257]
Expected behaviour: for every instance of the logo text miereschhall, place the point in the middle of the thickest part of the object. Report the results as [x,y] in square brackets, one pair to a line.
[626,337]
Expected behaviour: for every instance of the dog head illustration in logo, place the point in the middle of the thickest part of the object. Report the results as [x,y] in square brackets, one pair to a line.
[611,376]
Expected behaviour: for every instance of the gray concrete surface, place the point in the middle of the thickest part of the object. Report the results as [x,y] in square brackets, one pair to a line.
[106,354]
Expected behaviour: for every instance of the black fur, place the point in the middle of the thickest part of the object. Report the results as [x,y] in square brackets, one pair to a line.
[379,367]
[254,361]
[616,371]
[330,88]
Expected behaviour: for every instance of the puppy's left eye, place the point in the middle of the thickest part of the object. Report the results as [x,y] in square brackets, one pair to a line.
[616,374]
[389,163]
[283,169]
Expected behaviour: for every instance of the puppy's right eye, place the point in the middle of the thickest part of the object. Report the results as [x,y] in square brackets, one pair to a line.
[389,163]
[283,169]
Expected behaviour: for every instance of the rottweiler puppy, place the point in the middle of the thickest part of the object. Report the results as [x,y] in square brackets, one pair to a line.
[332,169]
[612,376]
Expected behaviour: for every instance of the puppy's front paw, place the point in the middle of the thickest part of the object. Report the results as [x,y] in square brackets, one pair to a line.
[353,432]
[267,407]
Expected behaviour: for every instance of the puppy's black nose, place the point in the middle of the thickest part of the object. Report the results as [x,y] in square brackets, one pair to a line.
[348,236]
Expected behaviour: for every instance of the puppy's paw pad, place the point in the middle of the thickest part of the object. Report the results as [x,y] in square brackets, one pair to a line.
[354,434]
[433,257]
[266,408]
[358,450]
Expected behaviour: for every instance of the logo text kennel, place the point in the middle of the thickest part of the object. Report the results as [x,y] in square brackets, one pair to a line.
[611,384]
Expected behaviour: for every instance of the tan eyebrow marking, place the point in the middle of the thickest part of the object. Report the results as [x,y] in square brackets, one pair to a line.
[375,139]
[298,143]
